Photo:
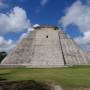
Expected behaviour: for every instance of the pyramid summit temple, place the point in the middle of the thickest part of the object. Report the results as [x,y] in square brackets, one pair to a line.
[47,46]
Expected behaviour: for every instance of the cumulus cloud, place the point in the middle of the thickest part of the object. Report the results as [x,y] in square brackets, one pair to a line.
[36,25]
[78,14]
[6,45]
[24,35]
[44,2]
[2,4]
[85,39]
[14,21]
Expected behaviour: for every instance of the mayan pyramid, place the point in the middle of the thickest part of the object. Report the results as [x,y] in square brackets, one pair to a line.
[47,46]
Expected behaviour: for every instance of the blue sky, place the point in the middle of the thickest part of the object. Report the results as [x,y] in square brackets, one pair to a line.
[17,16]
[49,13]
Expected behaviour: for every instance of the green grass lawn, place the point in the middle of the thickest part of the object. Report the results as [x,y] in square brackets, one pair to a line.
[66,77]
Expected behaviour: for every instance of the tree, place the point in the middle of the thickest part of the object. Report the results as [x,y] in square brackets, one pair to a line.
[2,55]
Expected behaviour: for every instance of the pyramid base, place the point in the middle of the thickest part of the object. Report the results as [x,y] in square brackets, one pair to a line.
[30,66]
[39,66]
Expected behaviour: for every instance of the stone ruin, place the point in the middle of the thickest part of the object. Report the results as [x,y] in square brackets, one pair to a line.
[46,46]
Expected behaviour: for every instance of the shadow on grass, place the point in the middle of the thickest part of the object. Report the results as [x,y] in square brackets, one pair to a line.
[2,79]
[23,85]
[2,76]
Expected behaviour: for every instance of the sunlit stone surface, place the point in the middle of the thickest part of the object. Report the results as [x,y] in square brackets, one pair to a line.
[47,46]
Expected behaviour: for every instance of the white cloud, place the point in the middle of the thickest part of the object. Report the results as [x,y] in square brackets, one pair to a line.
[30,29]
[24,35]
[44,2]
[2,4]
[36,25]
[14,21]
[6,45]
[85,39]
[79,14]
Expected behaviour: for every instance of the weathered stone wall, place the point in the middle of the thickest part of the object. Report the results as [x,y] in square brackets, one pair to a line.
[22,52]
[73,54]
[40,48]
[46,47]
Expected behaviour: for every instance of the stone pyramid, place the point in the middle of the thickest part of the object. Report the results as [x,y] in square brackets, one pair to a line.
[47,46]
